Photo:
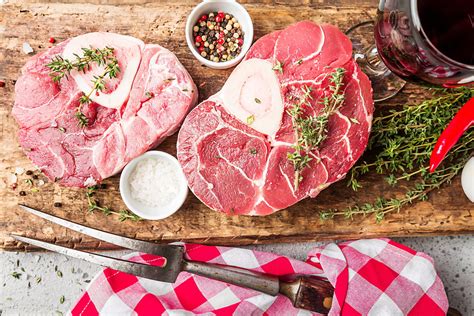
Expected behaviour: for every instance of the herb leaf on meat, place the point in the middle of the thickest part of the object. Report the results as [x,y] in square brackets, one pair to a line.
[311,130]
[61,68]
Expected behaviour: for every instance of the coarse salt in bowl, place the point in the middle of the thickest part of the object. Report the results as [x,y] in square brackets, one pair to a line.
[153,185]
[227,6]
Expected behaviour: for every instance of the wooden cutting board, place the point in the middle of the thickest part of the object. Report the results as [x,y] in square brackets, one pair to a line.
[446,212]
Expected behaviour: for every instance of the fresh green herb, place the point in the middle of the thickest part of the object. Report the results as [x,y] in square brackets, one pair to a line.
[62,299]
[93,205]
[258,101]
[278,66]
[312,130]
[82,119]
[250,119]
[61,68]
[16,275]
[403,141]
[149,94]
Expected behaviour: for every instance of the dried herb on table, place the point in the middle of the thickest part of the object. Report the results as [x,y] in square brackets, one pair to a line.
[312,130]
[403,141]
[93,205]
[61,68]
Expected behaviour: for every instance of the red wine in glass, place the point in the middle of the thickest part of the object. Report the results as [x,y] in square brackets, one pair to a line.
[427,42]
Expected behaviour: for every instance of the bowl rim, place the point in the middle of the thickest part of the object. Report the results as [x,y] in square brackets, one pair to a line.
[176,203]
[248,36]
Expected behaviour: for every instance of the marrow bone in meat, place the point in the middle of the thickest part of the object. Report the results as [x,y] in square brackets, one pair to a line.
[252,95]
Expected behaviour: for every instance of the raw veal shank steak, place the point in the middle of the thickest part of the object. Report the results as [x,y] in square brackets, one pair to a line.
[146,103]
[234,146]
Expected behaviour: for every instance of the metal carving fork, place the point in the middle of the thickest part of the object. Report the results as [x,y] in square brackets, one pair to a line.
[306,292]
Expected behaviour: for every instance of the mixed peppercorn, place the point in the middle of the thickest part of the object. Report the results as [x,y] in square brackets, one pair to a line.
[218,36]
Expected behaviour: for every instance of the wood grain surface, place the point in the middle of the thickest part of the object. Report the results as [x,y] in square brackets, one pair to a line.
[446,212]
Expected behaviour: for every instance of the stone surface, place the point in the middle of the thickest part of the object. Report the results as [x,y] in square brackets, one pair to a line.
[454,257]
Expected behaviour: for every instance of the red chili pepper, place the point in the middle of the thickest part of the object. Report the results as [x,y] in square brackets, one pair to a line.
[460,123]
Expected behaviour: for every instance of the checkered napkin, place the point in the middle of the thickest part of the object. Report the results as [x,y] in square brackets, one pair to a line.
[371,277]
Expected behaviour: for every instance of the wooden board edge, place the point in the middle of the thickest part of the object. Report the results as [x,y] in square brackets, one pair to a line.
[96,245]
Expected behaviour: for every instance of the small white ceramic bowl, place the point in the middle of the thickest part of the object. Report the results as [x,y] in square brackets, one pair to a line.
[227,6]
[143,210]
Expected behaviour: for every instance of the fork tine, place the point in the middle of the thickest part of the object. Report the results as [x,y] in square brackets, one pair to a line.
[168,273]
[172,253]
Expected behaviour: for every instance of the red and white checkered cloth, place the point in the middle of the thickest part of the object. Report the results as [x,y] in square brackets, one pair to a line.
[370,277]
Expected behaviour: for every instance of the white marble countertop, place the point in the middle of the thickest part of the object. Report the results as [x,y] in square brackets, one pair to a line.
[39,288]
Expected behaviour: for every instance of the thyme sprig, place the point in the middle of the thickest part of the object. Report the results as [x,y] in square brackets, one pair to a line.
[61,68]
[403,140]
[311,130]
[278,66]
[93,205]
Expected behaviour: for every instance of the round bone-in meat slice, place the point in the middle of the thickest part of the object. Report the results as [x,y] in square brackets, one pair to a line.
[141,107]
[237,167]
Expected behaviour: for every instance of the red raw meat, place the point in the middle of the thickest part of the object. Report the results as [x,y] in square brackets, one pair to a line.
[233,168]
[159,94]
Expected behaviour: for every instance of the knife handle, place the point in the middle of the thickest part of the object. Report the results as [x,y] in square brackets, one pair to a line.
[309,293]
[244,278]
[305,292]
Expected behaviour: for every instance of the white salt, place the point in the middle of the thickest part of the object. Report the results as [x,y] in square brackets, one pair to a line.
[154,182]
[27,49]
